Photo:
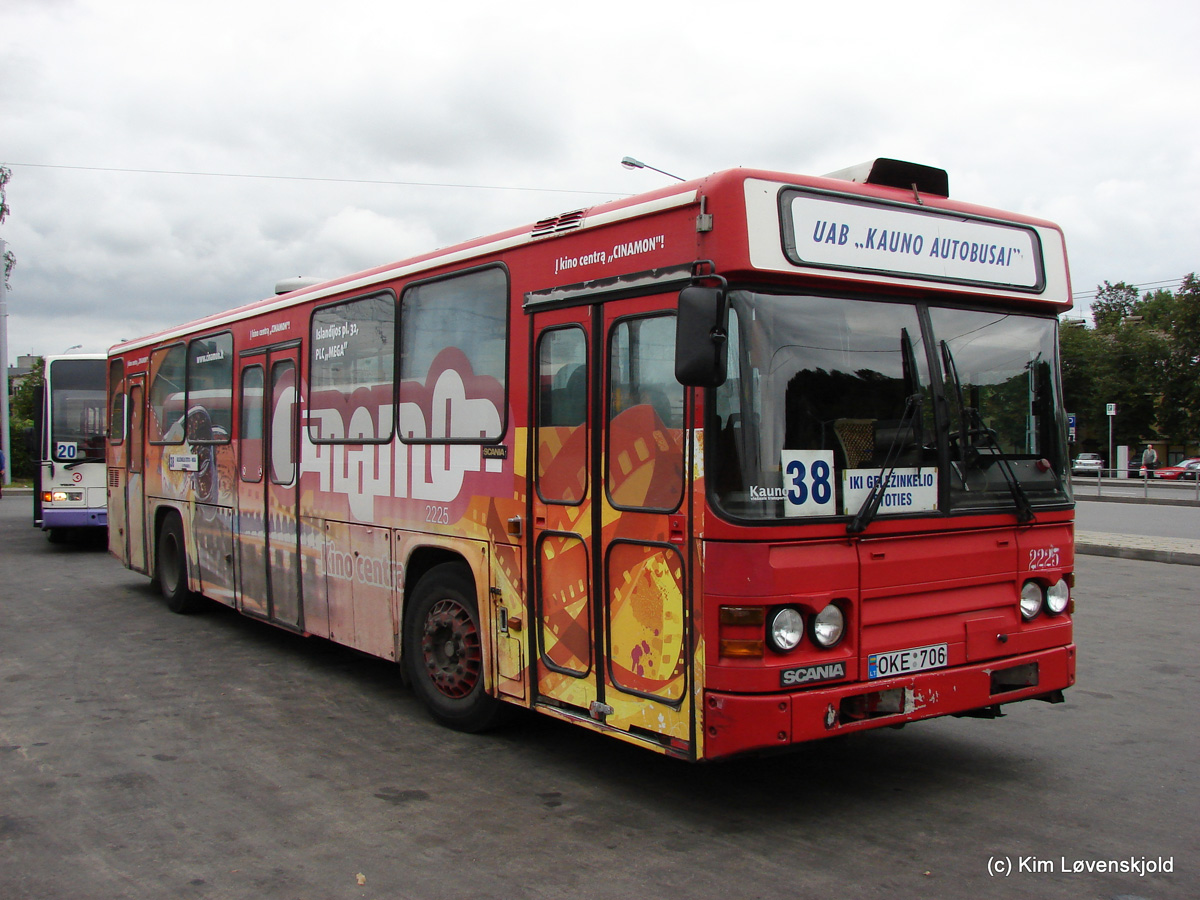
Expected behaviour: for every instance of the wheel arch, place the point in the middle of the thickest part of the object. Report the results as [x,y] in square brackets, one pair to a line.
[425,558]
[162,512]
[472,558]
[433,617]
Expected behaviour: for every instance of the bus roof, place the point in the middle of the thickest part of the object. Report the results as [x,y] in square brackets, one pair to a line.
[731,186]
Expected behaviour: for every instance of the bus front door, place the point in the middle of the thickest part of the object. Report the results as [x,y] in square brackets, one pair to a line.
[268,537]
[608,536]
[641,488]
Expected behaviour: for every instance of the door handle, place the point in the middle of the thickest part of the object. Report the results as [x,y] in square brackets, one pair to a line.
[676,529]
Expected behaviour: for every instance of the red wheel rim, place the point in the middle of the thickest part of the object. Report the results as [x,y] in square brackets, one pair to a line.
[452,649]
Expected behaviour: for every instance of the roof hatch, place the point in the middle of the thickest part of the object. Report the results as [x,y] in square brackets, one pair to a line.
[898,174]
[295,283]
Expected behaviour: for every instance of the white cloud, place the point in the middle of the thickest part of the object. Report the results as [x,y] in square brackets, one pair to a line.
[1084,113]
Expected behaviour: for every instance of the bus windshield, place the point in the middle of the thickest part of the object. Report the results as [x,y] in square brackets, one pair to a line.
[948,409]
[77,413]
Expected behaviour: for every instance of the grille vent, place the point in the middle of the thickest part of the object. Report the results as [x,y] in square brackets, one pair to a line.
[568,221]
[114,477]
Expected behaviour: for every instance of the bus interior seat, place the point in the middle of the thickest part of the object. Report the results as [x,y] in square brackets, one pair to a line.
[566,405]
[857,438]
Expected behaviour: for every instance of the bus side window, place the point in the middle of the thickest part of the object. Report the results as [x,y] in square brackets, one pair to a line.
[455,330]
[352,371]
[167,395]
[645,409]
[137,421]
[210,389]
[283,416]
[562,446]
[116,395]
[250,433]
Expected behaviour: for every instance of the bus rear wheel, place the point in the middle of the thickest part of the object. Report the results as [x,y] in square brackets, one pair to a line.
[171,568]
[443,650]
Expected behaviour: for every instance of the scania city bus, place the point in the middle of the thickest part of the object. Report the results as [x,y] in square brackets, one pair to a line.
[735,464]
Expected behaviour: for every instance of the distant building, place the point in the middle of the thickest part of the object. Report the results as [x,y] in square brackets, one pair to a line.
[21,371]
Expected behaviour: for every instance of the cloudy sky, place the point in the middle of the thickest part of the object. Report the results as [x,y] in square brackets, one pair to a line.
[320,138]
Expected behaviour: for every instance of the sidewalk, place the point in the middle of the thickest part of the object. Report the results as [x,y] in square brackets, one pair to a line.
[1135,546]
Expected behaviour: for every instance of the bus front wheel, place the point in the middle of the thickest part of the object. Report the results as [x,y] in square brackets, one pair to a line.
[443,650]
[172,569]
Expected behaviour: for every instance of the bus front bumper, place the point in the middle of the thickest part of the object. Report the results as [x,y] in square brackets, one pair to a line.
[736,723]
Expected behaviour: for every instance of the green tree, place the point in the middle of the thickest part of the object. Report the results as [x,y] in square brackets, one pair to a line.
[1143,355]
[1113,304]
[20,421]
[1176,317]
[1111,363]
[1081,354]
[1130,376]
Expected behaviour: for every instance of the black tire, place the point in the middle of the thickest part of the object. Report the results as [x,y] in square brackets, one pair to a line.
[171,568]
[443,650]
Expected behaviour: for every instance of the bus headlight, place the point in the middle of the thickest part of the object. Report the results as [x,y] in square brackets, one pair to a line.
[1058,595]
[828,626]
[1031,600]
[785,628]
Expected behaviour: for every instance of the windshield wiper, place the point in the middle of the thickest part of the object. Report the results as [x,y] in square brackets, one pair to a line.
[911,415]
[88,459]
[870,507]
[972,427]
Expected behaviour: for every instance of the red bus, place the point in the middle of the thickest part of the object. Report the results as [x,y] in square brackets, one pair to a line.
[735,464]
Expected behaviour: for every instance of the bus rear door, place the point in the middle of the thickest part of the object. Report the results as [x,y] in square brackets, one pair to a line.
[268,538]
[135,477]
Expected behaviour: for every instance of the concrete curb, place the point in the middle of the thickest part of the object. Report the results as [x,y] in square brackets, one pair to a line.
[1140,501]
[1161,556]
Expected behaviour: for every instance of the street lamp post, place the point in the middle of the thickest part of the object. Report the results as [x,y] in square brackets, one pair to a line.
[4,436]
[1112,414]
[630,163]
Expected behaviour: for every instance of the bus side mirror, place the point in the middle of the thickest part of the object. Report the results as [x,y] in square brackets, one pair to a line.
[701,332]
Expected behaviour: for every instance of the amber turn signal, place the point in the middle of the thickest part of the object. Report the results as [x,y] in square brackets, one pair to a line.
[743,615]
[742,649]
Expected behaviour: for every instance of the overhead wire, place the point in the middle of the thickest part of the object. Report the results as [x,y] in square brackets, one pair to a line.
[312,178]
[1170,283]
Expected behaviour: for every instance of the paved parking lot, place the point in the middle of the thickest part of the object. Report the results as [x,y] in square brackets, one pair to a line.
[148,755]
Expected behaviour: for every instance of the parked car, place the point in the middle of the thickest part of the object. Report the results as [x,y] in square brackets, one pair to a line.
[1187,469]
[1088,464]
